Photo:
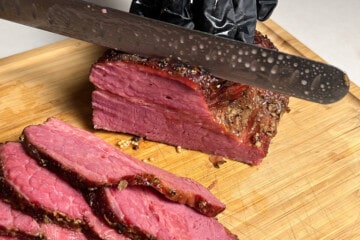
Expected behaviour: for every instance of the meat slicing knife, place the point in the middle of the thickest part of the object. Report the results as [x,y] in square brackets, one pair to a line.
[224,58]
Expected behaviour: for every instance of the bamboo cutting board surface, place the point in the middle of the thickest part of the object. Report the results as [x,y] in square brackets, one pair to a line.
[308,187]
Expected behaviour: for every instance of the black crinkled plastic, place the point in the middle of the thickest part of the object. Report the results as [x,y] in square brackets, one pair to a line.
[234,19]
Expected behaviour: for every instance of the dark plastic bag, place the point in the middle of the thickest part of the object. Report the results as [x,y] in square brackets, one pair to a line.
[234,19]
[147,8]
[265,8]
[176,12]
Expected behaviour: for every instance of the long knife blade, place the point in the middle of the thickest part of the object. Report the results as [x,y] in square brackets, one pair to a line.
[224,58]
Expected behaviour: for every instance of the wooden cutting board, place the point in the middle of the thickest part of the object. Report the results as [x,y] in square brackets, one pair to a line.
[308,187]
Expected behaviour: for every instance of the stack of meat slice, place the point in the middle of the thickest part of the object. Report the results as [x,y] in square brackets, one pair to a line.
[36,191]
[63,180]
[171,102]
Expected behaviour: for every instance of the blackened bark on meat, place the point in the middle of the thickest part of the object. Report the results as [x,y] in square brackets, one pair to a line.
[15,235]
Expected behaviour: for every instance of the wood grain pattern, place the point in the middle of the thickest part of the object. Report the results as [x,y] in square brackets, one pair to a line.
[308,187]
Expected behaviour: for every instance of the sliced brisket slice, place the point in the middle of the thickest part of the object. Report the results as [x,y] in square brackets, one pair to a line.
[43,195]
[141,213]
[87,161]
[181,105]
[14,223]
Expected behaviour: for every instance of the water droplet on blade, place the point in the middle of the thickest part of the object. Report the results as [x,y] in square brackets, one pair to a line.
[304,82]
[274,69]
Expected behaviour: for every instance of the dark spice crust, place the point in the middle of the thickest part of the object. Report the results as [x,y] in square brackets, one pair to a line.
[240,109]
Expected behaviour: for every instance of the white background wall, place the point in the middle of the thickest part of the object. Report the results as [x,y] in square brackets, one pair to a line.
[331,28]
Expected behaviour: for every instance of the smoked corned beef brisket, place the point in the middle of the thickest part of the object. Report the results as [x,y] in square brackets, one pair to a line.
[168,101]
[88,162]
[61,182]
[47,198]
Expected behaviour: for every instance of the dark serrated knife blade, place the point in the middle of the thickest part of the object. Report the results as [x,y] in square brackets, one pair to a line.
[224,58]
